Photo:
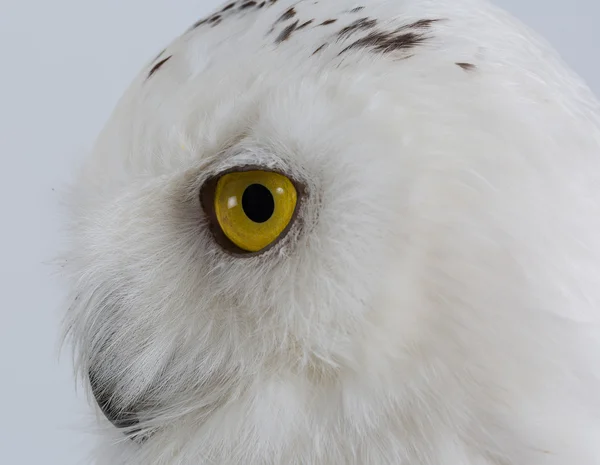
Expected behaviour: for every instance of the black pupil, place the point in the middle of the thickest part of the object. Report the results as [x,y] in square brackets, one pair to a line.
[258,203]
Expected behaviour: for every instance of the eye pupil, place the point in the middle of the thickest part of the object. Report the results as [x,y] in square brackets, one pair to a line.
[258,203]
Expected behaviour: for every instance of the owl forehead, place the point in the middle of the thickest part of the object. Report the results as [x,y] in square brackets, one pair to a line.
[307,65]
[274,33]
[245,49]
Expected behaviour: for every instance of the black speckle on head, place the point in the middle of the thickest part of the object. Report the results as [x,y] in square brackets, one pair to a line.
[247,5]
[199,23]
[215,20]
[358,25]
[357,9]
[157,66]
[303,25]
[288,14]
[386,42]
[319,49]
[228,7]
[422,24]
[286,33]
[328,21]
[467,66]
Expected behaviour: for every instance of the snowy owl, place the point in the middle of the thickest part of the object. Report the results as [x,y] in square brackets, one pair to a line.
[340,232]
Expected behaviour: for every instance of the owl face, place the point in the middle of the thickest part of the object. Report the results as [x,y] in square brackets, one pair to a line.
[251,254]
[248,229]
[295,231]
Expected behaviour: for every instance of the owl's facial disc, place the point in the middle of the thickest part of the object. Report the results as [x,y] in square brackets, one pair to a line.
[250,209]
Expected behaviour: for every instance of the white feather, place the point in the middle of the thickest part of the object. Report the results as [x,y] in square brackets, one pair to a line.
[438,302]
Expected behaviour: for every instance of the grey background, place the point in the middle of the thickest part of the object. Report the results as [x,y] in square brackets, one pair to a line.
[64,64]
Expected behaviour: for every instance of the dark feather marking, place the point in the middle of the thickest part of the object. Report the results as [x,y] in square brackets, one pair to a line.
[288,14]
[247,5]
[328,21]
[261,4]
[422,24]
[467,66]
[287,32]
[319,49]
[215,19]
[358,25]
[303,25]
[228,7]
[357,9]
[199,23]
[157,66]
[386,42]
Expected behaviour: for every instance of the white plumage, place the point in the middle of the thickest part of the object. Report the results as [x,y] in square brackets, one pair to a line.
[435,300]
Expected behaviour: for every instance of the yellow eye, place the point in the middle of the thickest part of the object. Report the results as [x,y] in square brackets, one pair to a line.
[252,208]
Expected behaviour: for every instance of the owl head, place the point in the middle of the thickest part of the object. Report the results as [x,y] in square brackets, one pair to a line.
[335,234]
